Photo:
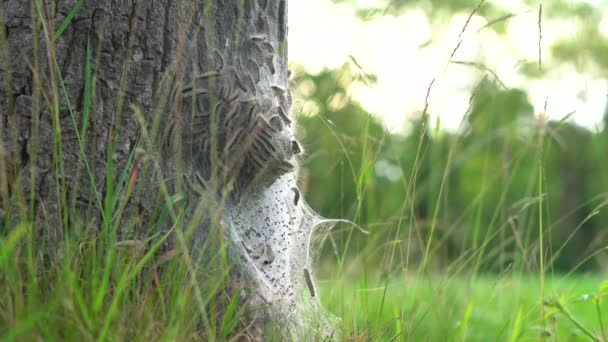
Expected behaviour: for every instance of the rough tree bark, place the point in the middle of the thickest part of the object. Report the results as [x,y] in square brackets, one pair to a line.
[201,88]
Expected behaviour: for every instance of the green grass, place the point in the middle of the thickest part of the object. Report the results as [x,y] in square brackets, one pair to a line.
[438,308]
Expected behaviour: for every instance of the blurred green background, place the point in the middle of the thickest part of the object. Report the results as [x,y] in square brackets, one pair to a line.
[472,190]
[469,138]
[478,192]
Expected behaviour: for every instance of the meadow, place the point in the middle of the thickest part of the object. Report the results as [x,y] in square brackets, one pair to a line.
[461,308]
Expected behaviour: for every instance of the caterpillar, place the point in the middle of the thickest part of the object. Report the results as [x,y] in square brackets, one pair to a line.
[309,283]
[295,147]
[296,197]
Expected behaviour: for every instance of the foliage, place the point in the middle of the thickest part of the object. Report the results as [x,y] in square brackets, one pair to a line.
[476,189]
[454,219]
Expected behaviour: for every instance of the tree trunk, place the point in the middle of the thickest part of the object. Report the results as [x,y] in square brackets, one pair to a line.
[157,100]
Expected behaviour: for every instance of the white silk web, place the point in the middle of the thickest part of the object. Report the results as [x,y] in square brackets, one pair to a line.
[276,237]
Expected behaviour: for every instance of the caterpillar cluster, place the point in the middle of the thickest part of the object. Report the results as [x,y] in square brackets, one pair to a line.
[235,132]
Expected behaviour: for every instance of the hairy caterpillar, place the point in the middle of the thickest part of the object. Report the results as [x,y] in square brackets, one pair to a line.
[295,147]
[309,283]
[296,196]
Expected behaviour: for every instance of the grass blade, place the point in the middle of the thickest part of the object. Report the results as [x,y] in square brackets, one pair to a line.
[66,22]
[7,247]
[230,319]
[516,327]
[86,102]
